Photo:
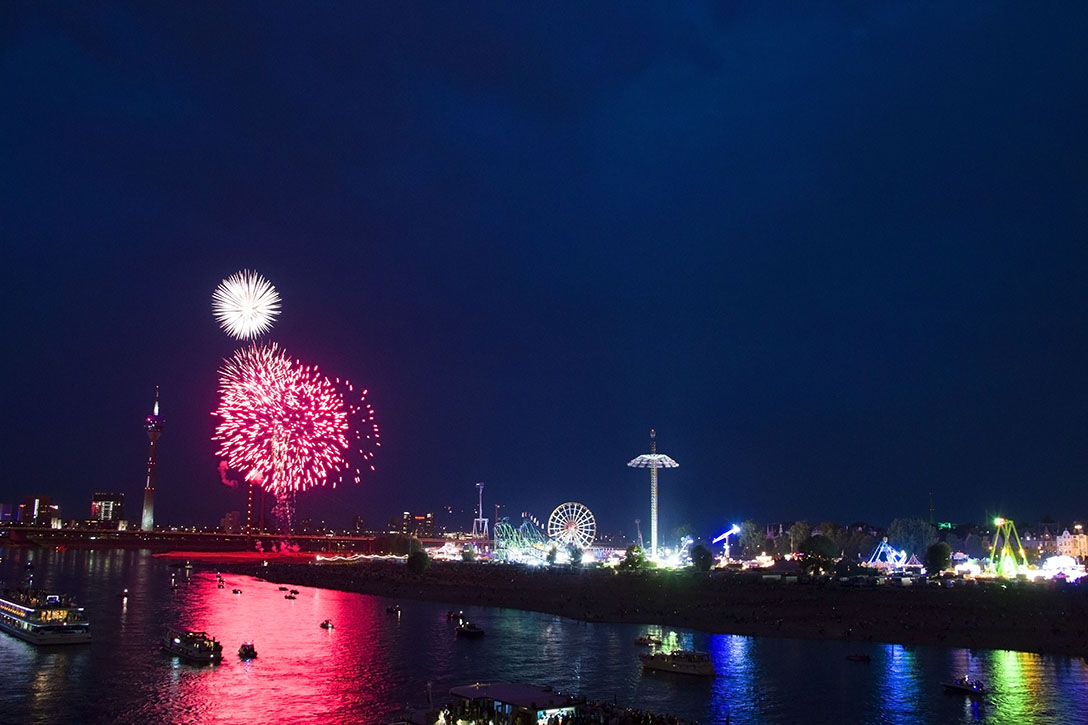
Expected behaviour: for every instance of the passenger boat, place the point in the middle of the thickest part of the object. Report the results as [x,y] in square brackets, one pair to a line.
[469,629]
[283,589]
[510,703]
[685,662]
[247,651]
[395,609]
[327,624]
[966,686]
[41,618]
[647,641]
[235,591]
[289,596]
[194,646]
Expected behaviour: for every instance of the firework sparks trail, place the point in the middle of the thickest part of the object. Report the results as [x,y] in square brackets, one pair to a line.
[245,304]
[288,427]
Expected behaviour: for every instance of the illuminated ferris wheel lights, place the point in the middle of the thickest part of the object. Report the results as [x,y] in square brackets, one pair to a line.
[572,523]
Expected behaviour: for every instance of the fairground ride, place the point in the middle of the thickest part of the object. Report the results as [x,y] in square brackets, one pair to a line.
[886,557]
[526,543]
[570,524]
[1007,558]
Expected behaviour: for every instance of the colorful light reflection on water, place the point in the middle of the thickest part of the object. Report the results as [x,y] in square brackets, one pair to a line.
[372,662]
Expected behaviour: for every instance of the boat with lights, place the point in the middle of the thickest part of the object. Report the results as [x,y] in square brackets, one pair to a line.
[193,646]
[42,618]
[966,686]
[685,662]
[247,651]
[648,641]
[469,629]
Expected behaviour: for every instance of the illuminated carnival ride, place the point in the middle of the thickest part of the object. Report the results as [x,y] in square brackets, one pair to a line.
[571,525]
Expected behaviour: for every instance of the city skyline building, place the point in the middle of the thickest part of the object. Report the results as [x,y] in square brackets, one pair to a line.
[39,511]
[107,506]
[153,424]
[417,524]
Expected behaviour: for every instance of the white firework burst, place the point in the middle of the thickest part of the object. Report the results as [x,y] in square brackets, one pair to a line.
[245,304]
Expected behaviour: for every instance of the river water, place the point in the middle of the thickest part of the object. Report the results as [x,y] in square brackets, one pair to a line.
[373,662]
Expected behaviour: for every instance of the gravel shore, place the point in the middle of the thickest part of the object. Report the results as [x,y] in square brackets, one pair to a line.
[1012,616]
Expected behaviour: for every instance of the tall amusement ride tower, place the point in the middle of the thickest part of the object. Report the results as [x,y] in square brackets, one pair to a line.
[153,424]
[653,460]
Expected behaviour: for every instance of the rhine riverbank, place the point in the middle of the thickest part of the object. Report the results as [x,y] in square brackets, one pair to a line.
[1012,616]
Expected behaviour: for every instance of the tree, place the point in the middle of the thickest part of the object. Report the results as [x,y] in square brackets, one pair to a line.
[398,544]
[837,534]
[683,531]
[911,535]
[574,554]
[752,539]
[701,558]
[954,542]
[552,553]
[782,545]
[418,561]
[799,531]
[938,557]
[859,546]
[635,558]
[818,555]
[468,553]
[975,547]
[848,567]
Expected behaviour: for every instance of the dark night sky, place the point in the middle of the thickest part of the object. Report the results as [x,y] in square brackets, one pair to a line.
[836,256]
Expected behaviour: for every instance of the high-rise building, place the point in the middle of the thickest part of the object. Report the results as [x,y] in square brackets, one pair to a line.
[107,506]
[417,524]
[38,511]
[231,523]
[153,424]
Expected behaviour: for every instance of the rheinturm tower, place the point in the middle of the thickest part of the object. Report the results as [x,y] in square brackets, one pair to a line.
[153,424]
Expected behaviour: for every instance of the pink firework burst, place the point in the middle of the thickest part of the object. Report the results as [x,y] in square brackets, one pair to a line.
[286,426]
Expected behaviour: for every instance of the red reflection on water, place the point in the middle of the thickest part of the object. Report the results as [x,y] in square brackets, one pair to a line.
[302,672]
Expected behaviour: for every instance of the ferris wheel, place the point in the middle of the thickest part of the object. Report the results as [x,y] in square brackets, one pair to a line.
[572,523]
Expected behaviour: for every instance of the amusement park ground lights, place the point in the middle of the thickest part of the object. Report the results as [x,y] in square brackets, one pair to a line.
[1006,558]
[1055,567]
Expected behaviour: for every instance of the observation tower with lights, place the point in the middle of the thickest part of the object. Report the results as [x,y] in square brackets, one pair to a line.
[153,424]
[653,460]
